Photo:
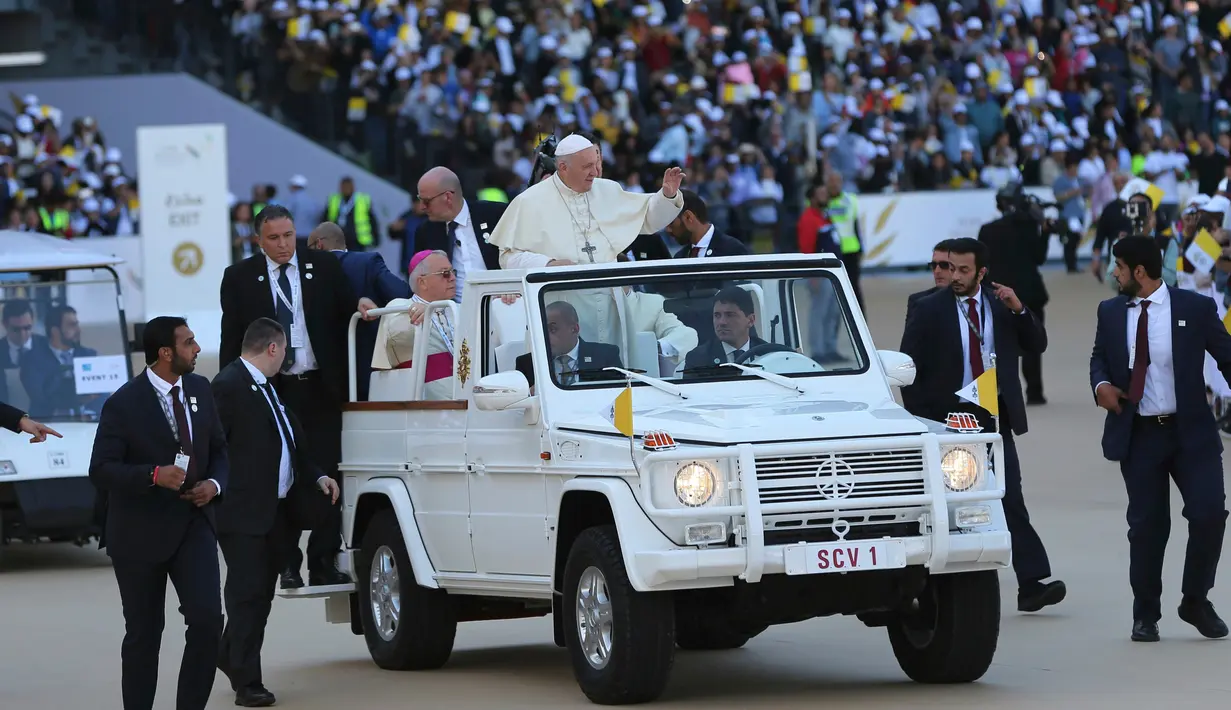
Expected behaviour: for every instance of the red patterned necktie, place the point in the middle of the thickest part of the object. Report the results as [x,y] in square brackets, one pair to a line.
[975,351]
[1137,383]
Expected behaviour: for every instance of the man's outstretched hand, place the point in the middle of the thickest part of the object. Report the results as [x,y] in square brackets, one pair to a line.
[38,431]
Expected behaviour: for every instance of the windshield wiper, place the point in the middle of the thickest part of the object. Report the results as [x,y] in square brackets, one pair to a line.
[706,370]
[651,381]
[769,376]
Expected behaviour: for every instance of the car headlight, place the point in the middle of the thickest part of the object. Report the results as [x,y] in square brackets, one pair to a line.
[961,469]
[695,484]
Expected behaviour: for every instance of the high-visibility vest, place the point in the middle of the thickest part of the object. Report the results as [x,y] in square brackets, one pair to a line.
[361,215]
[844,213]
[55,222]
[493,194]
[257,207]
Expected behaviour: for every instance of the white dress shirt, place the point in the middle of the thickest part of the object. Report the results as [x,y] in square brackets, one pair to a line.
[703,245]
[16,351]
[163,388]
[305,358]
[730,349]
[986,329]
[285,477]
[1159,395]
[467,258]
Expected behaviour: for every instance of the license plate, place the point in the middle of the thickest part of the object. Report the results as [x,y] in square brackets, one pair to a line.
[853,556]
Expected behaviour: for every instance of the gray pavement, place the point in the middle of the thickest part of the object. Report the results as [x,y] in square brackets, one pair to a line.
[62,625]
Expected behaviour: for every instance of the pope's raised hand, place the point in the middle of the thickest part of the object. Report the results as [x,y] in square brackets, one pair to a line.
[672,179]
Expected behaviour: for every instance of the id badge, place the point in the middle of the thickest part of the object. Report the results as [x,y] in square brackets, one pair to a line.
[987,361]
[181,460]
[296,335]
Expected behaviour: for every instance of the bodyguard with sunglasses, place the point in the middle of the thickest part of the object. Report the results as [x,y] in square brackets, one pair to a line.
[942,274]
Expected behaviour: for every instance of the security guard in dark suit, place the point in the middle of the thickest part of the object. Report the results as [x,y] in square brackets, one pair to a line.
[1017,246]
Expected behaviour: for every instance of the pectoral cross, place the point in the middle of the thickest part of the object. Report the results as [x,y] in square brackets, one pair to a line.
[589,249]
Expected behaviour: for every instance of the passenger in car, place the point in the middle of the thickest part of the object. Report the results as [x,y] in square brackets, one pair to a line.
[734,318]
[573,359]
[432,278]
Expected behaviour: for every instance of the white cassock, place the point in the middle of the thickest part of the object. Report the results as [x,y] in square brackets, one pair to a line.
[550,221]
[395,347]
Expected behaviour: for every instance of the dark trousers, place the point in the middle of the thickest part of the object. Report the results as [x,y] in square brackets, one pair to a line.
[854,267]
[1030,561]
[311,399]
[253,564]
[1155,453]
[193,569]
[1032,365]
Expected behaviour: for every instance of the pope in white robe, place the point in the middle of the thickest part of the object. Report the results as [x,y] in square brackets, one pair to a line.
[576,217]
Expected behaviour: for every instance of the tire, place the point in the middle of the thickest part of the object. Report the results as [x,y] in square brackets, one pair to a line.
[421,634]
[699,628]
[641,649]
[952,636]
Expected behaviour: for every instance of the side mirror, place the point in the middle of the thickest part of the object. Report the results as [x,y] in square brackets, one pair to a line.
[501,391]
[899,367]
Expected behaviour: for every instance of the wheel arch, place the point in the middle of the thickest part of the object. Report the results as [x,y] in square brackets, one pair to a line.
[378,494]
[587,502]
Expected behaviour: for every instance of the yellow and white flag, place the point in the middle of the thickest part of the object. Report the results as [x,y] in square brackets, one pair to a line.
[621,412]
[1203,252]
[982,391]
[1224,26]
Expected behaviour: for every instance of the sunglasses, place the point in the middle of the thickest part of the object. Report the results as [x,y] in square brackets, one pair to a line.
[946,265]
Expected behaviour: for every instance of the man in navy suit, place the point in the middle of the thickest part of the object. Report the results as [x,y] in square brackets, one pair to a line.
[952,335]
[19,422]
[371,279]
[1146,370]
[695,234]
[159,461]
[734,320]
[572,359]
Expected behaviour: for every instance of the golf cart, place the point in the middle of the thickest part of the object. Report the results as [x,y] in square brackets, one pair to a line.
[64,349]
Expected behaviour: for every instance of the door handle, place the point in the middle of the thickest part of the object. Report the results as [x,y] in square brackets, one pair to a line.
[479,468]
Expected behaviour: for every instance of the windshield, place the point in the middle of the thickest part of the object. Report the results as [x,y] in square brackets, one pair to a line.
[63,351]
[790,322]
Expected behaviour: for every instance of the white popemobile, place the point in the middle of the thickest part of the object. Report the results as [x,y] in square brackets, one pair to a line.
[756,490]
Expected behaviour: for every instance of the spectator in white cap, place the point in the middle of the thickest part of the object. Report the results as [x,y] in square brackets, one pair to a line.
[305,210]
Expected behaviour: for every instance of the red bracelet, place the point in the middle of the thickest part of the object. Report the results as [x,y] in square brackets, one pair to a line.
[156,474]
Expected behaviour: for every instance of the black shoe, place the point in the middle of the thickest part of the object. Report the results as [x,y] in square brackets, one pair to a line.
[254,696]
[327,576]
[1200,613]
[1145,631]
[290,579]
[1035,400]
[1036,595]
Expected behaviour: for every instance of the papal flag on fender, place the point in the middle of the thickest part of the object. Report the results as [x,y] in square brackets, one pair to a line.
[621,412]
[982,391]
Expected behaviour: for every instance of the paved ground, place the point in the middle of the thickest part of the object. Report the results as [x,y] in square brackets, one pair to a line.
[62,625]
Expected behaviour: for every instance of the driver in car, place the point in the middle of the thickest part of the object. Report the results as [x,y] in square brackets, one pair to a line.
[572,358]
[734,320]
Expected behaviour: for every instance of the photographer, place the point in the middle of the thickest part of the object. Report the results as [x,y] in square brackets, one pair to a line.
[1017,246]
[1141,220]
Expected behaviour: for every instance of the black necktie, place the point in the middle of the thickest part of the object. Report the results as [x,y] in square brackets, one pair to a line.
[282,424]
[285,317]
[453,234]
[181,423]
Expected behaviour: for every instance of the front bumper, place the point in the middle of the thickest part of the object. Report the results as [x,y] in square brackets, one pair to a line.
[682,568]
[940,548]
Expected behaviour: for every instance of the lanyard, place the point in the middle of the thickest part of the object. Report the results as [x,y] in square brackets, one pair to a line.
[444,335]
[980,331]
[278,294]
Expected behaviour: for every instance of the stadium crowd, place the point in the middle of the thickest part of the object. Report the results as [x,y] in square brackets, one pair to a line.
[759,99]
[61,178]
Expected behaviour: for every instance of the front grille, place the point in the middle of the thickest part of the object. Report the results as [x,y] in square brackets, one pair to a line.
[854,476]
[826,534]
